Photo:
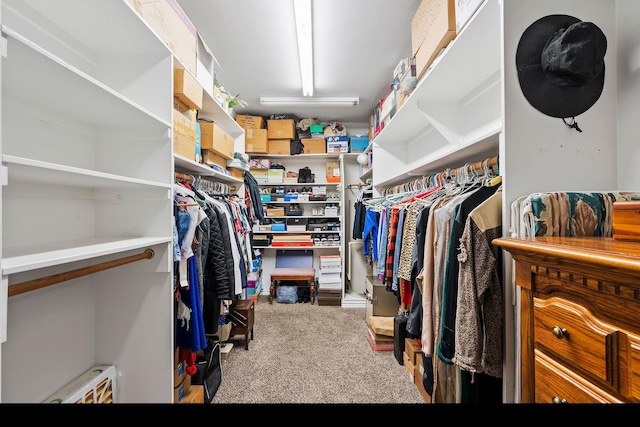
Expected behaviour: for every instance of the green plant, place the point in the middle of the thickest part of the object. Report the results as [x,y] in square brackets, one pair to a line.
[232,100]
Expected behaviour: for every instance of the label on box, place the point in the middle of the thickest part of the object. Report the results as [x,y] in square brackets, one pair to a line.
[342,138]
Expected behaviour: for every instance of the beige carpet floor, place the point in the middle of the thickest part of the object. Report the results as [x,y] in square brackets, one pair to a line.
[311,354]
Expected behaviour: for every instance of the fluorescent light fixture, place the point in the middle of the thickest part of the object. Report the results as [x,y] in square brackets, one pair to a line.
[305,43]
[305,101]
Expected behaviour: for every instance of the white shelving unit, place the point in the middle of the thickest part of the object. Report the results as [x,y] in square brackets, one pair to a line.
[87,177]
[317,163]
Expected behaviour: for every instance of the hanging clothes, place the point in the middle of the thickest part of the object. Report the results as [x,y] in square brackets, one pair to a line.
[190,331]
[479,308]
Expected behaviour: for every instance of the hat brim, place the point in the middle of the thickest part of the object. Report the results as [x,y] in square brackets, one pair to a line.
[542,94]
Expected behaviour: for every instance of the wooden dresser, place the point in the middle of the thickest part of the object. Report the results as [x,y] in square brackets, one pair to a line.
[579,318]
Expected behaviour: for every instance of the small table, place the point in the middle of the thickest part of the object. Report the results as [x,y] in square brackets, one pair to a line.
[307,275]
[241,313]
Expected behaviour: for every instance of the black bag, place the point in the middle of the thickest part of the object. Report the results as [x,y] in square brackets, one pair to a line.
[296,147]
[209,370]
[304,175]
[399,335]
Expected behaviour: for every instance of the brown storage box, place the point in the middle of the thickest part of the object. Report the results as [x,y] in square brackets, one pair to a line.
[432,28]
[213,137]
[329,297]
[279,146]
[194,395]
[418,373]
[236,173]
[187,89]
[329,301]
[409,366]
[281,129]
[626,220]
[184,145]
[250,122]
[184,131]
[212,158]
[275,211]
[184,119]
[173,27]
[333,171]
[255,141]
[314,145]
[413,348]
[182,389]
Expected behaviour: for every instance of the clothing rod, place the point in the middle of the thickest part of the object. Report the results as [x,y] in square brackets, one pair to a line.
[184,177]
[492,161]
[32,285]
[449,172]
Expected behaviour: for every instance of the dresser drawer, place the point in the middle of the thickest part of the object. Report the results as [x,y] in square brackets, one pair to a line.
[571,333]
[634,367]
[557,384]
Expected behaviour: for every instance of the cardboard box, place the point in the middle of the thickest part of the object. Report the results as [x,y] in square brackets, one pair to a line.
[413,348]
[194,395]
[279,146]
[379,345]
[464,11]
[275,176]
[314,145]
[281,129]
[187,89]
[220,98]
[184,145]
[418,374]
[236,173]
[179,372]
[210,157]
[184,131]
[167,19]
[184,119]
[181,389]
[333,171]
[250,122]
[358,143]
[409,366]
[256,141]
[432,28]
[259,163]
[205,66]
[213,137]
[260,175]
[338,146]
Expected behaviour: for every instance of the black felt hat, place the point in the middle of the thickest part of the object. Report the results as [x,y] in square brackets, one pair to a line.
[560,63]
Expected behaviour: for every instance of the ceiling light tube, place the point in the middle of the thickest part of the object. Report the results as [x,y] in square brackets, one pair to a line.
[304,101]
[305,44]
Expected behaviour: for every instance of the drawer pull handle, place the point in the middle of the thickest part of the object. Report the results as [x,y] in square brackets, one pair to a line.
[559,332]
[556,399]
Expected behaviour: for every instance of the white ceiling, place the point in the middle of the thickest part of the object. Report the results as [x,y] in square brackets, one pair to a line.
[357,44]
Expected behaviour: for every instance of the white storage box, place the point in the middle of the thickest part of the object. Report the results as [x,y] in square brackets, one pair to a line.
[330,262]
[275,176]
[97,385]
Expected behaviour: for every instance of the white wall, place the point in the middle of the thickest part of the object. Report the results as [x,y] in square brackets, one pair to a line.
[628,50]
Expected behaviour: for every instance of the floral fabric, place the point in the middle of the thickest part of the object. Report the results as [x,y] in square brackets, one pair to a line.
[572,213]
